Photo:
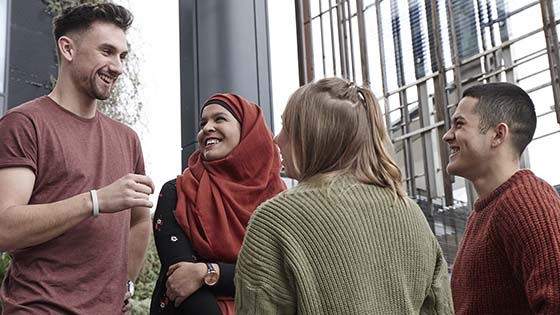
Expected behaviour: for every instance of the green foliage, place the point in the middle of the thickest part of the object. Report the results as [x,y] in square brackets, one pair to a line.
[4,263]
[146,282]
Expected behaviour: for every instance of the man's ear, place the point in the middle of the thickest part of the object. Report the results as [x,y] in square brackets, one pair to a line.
[66,46]
[501,133]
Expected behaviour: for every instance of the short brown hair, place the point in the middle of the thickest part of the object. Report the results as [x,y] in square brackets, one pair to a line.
[505,102]
[79,18]
[335,127]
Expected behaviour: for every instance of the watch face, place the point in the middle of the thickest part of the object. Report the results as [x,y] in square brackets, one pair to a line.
[211,278]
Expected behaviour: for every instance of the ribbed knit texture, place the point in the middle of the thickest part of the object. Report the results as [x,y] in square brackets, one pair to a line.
[342,249]
[509,260]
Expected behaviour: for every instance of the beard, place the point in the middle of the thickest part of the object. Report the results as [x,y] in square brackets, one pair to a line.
[95,88]
[98,91]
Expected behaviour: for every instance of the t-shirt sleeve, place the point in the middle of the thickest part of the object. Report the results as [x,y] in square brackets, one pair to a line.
[530,231]
[139,165]
[18,141]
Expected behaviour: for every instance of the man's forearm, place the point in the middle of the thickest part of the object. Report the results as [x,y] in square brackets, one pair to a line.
[140,229]
[28,225]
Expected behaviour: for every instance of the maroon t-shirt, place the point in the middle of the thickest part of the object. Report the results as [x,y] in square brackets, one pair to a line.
[84,270]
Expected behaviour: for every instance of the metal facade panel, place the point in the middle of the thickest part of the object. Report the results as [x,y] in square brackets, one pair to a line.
[31,52]
[224,48]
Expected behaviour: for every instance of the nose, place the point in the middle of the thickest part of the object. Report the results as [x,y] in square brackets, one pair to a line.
[448,136]
[208,127]
[117,66]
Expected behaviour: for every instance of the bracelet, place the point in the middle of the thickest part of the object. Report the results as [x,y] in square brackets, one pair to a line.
[95,203]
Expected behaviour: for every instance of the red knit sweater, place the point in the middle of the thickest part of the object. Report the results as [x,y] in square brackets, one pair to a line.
[509,261]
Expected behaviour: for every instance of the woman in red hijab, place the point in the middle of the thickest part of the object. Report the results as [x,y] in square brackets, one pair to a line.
[201,217]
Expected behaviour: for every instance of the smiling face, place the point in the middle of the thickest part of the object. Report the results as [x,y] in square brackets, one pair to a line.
[98,59]
[470,149]
[220,132]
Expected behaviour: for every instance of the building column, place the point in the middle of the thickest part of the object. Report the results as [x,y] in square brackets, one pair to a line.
[224,48]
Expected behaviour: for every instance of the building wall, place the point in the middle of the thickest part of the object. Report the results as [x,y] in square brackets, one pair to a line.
[224,48]
[31,53]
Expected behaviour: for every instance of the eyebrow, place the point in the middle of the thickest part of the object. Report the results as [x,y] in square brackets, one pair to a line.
[454,119]
[112,48]
[216,115]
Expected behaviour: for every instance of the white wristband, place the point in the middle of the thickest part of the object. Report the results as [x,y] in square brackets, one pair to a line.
[95,203]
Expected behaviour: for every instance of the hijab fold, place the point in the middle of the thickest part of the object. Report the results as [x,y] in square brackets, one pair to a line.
[216,198]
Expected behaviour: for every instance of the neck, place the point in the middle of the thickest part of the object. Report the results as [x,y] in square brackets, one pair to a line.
[495,175]
[67,95]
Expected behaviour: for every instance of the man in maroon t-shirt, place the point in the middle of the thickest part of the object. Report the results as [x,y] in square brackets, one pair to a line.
[509,259]
[74,204]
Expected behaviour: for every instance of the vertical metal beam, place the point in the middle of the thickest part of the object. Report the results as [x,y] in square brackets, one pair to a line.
[332,38]
[454,52]
[348,20]
[323,58]
[188,24]
[305,48]
[308,41]
[418,42]
[487,65]
[504,36]
[4,101]
[440,105]
[431,34]
[496,54]
[407,145]
[418,46]
[396,30]
[342,38]
[405,115]
[363,43]
[427,153]
[549,27]
[383,68]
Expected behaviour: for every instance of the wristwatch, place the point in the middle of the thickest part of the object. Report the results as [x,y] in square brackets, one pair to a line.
[130,287]
[211,277]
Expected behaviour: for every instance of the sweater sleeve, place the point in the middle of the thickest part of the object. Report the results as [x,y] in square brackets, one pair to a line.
[225,286]
[438,299]
[262,277]
[529,225]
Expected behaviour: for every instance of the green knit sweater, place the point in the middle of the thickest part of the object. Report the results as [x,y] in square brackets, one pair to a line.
[346,248]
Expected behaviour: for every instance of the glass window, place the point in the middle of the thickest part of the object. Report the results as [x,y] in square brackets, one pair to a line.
[3,37]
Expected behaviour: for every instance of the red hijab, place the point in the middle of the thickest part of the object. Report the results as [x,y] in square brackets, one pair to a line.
[216,198]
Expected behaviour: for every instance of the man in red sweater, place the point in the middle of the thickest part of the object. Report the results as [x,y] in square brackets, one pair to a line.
[509,260]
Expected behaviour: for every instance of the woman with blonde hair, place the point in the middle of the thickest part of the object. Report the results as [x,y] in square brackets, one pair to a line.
[346,239]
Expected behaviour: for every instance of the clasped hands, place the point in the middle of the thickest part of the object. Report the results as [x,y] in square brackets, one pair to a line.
[183,279]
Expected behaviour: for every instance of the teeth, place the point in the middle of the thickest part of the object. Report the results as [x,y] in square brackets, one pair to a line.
[212,141]
[106,78]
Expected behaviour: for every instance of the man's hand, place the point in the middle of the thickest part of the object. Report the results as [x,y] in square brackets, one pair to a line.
[127,306]
[183,279]
[129,191]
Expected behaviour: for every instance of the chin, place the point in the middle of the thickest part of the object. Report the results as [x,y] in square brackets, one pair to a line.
[102,97]
[211,156]
[452,170]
